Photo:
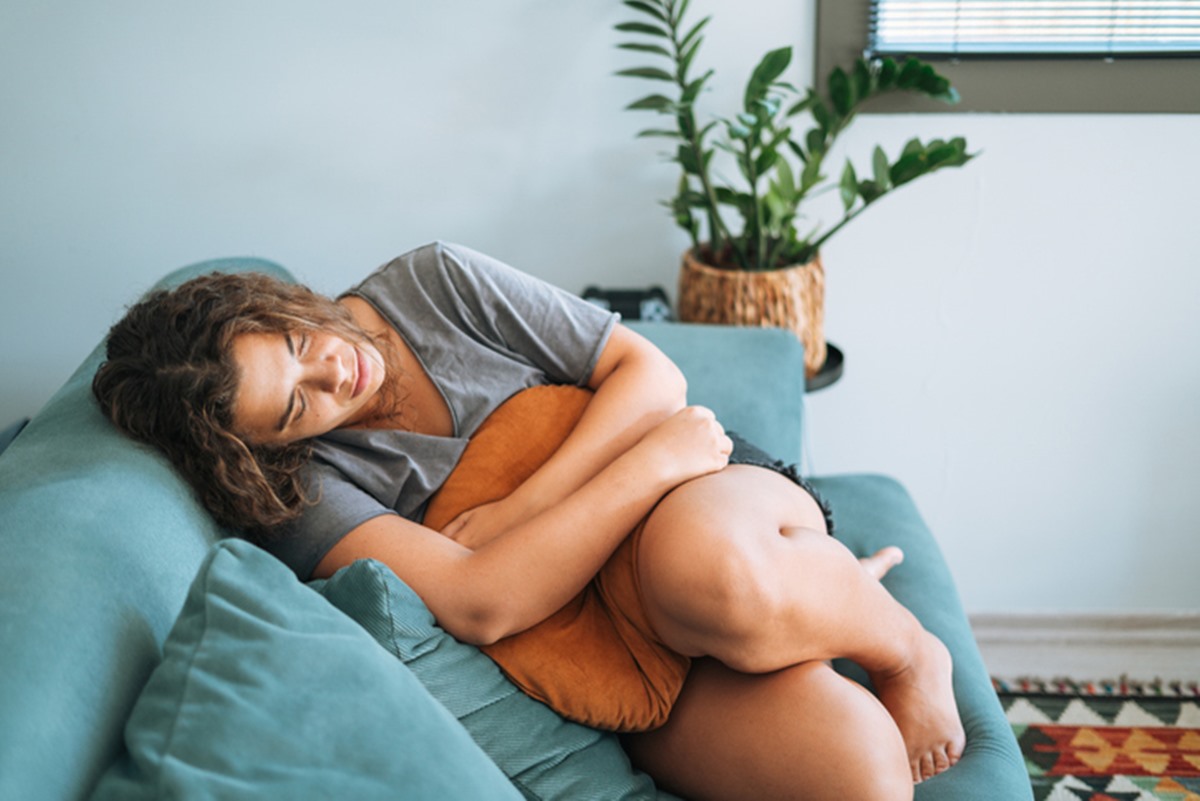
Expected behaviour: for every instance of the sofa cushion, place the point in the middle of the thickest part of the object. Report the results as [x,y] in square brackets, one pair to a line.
[266,691]
[545,755]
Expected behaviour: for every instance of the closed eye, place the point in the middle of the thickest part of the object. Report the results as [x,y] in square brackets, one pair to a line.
[301,350]
[296,398]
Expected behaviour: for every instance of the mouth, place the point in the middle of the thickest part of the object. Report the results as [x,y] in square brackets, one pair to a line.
[362,373]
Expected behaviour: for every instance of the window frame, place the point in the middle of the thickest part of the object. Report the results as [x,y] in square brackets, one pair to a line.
[1019,84]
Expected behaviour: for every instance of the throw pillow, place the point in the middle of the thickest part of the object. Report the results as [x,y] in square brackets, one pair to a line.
[267,691]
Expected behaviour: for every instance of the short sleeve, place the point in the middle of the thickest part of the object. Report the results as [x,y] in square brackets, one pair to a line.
[452,288]
[556,331]
[340,508]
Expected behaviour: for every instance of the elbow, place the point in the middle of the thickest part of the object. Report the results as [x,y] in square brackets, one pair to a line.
[482,626]
[479,634]
[673,386]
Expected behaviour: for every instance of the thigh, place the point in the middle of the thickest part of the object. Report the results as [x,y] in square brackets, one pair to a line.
[714,561]
[800,733]
[745,493]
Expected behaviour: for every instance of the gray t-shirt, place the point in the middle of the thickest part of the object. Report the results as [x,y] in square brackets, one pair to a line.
[483,331]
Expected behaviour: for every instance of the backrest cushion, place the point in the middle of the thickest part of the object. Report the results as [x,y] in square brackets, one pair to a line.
[753,378]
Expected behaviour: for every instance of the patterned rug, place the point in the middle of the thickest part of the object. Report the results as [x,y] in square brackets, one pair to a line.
[1107,741]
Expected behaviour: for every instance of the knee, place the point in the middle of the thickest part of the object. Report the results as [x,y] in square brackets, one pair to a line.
[699,578]
[748,612]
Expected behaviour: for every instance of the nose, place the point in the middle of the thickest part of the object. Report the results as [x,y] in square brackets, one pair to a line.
[327,372]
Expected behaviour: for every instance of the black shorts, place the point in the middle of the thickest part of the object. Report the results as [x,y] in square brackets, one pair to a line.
[746,453]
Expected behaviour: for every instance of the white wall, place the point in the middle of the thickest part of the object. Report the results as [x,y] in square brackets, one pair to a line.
[1021,335]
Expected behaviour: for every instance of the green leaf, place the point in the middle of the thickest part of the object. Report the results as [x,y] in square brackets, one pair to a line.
[811,176]
[785,180]
[881,168]
[870,191]
[642,27]
[694,32]
[849,186]
[815,141]
[686,156]
[841,93]
[765,161]
[685,60]
[769,106]
[692,90]
[680,11]
[646,48]
[768,70]
[799,151]
[909,74]
[778,210]
[726,195]
[647,8]
[659,132]
[737,130]
[653,73]
[659,103]
[886,76]
[908,167]
[864,80]
[821,114]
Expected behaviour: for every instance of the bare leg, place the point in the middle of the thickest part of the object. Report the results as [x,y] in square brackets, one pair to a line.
[799,733]
[737,566]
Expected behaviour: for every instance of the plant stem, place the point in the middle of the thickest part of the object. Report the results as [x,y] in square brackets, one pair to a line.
[815,247]
[718,233]
[760,244]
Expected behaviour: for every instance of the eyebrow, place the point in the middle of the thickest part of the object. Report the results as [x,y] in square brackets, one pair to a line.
[291,404]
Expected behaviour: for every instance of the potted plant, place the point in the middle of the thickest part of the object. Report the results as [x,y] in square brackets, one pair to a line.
[765,271]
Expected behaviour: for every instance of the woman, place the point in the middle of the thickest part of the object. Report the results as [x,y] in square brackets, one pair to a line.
[322,429]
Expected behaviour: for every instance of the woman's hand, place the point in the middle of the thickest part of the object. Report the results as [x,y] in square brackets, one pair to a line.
[479,526]
[688,444]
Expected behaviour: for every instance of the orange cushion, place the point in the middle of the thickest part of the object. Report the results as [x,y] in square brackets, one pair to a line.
[596,661]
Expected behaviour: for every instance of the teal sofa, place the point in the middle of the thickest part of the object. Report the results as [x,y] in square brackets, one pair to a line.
[147,654]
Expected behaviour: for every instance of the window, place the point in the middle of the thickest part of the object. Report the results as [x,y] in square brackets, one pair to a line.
[1029,55]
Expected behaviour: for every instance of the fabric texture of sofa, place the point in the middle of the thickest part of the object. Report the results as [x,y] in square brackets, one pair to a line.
[147,654]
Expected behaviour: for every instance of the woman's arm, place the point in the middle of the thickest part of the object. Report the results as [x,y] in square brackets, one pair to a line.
[636,387]
[515,581]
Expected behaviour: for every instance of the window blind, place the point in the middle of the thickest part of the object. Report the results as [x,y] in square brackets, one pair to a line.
[1107,28]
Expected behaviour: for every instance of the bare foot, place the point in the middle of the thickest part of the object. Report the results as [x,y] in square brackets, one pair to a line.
[882,561]
[920,697]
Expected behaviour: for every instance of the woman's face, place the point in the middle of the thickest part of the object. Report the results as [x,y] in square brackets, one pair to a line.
[302,384]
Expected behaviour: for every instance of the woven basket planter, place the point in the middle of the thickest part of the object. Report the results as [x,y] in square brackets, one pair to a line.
[791,297]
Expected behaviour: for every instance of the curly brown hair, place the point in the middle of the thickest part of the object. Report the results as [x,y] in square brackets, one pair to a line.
[170,381]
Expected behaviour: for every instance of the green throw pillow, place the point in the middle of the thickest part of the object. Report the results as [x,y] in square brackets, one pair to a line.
[546,756]
[265,690]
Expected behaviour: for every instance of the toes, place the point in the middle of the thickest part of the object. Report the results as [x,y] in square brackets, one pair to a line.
[930,764]
[925,767]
